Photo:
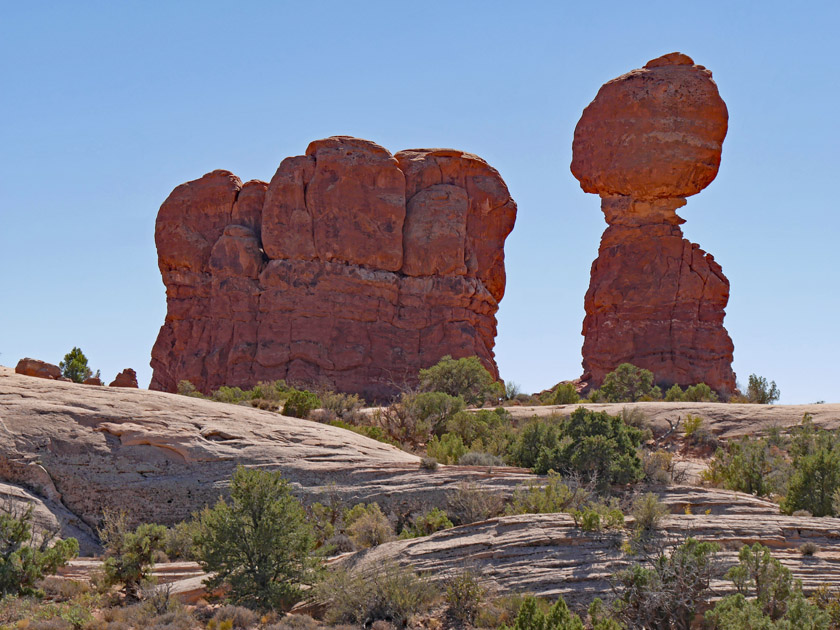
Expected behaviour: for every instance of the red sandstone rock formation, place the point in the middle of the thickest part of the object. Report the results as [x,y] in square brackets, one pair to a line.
[126,378]
[38,369]
[352,269]
[649,139]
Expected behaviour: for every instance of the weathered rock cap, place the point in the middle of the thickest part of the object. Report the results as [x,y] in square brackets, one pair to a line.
[37,368]
[652,133]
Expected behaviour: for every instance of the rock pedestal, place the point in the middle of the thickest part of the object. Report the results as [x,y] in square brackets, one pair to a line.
[651,138]
[352,269]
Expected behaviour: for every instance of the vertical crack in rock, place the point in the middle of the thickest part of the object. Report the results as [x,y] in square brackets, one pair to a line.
[651,138]
[352,269]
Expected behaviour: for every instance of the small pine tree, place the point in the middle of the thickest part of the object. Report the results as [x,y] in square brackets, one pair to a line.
[75,366]
[628,383]
[259,543]
[761,392]
[23,560]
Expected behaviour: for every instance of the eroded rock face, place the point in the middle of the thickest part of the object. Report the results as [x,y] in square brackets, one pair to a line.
[353,268]
[649,139]
[126,378]
[38,369]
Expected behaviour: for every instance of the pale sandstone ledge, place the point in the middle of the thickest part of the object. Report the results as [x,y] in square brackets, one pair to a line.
[546,555]
[162,456]
[724,419]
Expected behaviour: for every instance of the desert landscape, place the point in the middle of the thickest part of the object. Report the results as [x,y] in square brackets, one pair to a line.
[325,435]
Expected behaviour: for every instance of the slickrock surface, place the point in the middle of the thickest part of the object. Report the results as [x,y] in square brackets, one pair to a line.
[49,517]
[161,456]
[352,268]
[723,419]
[649,139]
[545,554]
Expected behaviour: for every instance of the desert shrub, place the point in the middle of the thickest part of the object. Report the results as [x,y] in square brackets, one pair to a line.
[464,596]
[185,388]
[532,617]
[599,516]
[553,496]
[373,432]
[628,383]
[468,503]
[300,402]
[563,394]
[464,377]
[538,435]
[815,480]
[447,449]
[339,406]
[129,554]
[295,622]
[768,597]
[24,557]
[487,431]
[258,544]
[761,392]
[595,445]
[658,466]
[367,526]
[426,524]
[178,543]
[648,512]
[434,409]
[239,617]
[416,416]
[666,591]
[635,417]
[808,548]
[749,465]
[700,393]
[674,394]
[512,390]
[480,459]
[390,593]
[74,366]
[691,425]
[429,463]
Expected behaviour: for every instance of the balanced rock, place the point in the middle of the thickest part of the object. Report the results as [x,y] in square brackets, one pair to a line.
[126,378]
[649,139]
[38,369]
[352,269]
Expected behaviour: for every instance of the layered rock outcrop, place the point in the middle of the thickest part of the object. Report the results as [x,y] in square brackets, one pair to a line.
[353,268]
[651,138]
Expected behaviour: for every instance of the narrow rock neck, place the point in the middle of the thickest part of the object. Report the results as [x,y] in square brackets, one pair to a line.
[620,210]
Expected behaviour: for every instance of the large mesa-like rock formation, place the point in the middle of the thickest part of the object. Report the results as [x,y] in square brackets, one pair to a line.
[353,268]
[651,138]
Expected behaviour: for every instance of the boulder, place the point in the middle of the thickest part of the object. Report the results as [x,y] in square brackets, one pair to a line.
[352,269]
[38,369]
[649,139]
[93,380]
[126,378]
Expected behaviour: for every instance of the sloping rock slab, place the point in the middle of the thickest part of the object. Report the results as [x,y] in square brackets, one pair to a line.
[727,420]
[162,456]
[545,554]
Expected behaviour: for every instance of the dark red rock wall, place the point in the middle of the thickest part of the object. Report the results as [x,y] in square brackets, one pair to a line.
[649,139]
[353,269]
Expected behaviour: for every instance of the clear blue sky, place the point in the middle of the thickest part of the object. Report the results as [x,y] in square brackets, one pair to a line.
[107,106]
